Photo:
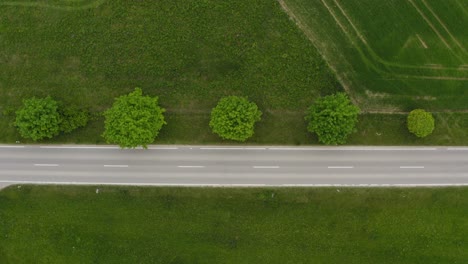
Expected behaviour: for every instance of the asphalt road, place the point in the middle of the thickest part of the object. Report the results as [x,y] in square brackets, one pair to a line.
[234,166]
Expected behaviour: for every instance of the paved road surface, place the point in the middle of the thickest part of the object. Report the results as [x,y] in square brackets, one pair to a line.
[235,166]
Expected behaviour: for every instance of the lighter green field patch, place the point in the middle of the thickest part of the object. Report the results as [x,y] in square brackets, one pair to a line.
[406,48]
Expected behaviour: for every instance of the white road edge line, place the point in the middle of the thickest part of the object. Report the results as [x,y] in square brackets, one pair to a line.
[340,167]
[266,167]
[76,147]
[378,185]
[354,149]
[459,149]
[4,146]
[141,184]
[116,166]
[46,165]
[189,166]
[239,184]
[411,167]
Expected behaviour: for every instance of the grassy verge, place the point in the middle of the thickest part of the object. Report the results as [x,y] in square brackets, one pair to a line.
[390,129]
[183,225]
[278,128]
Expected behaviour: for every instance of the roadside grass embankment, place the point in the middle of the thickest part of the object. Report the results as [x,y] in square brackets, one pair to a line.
[282,129]
[78,224]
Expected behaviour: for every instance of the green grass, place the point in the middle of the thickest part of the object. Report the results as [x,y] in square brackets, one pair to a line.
[386,129]
[183,225]
[377,50]
[189,53]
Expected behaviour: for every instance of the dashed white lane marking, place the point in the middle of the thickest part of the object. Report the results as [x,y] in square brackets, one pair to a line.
[6,146]
[189,166]
[116,166]
[46,165]
[340,167]
[210,148]
[266,167]
[255,148]
[164,148]
[411,167]
[295,149]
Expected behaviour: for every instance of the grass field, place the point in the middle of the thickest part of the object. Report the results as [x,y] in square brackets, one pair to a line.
[392,55]
[191,53]
[188,52]
[183,225]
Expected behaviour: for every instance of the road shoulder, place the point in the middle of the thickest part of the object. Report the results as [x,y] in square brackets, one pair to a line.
[4,185]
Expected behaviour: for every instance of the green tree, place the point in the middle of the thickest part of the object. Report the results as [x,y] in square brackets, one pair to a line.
[38,118]
[133,120]
[72,118]
[332,118]
[234,118]
[420,123]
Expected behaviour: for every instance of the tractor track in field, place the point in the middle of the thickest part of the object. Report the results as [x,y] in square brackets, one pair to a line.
[444,26]
[345,29]
[361,37]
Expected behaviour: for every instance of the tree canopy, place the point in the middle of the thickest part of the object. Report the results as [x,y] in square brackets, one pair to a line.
[133,120]
[72,118]
[420,123]
[234,118]
[38,118]
[332,118]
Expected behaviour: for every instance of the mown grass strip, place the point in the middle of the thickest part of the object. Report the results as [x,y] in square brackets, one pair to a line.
[57,224]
